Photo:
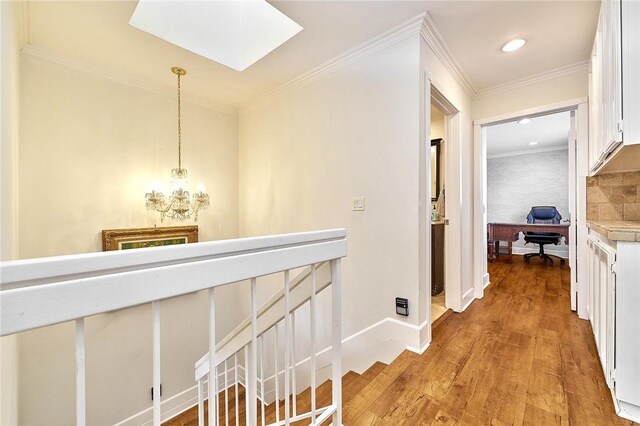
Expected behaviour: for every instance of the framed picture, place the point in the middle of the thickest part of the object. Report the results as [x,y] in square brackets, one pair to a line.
[126,239]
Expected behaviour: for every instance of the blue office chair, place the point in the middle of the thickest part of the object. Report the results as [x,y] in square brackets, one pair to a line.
[543,214]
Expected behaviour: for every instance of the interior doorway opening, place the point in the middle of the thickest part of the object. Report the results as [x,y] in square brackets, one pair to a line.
[438,209]
[528,182]
[577,140]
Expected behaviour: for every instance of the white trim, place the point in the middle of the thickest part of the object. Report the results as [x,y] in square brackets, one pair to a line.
[527,152]
[401,32]
[430,34]
[567,105]
[77,64]
[533,79]
[171,407]
[485,281]
[479,199]
[422,349]
[468,295]
[628,411]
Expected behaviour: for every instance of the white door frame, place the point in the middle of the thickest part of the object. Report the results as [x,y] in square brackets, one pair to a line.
[453,206]
[577,260]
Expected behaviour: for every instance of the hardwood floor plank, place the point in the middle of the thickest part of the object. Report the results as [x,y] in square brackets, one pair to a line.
[519,356]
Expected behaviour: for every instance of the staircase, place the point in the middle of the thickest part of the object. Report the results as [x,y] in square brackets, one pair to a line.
[358,392]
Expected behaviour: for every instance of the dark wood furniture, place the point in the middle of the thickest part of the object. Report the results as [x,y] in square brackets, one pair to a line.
[510,232]
[437,258]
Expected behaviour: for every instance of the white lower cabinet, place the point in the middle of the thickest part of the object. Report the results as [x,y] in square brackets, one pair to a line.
[614,313]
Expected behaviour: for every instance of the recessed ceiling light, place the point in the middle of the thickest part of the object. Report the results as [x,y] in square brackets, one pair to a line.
[514,44]
[524,121]
[532,143]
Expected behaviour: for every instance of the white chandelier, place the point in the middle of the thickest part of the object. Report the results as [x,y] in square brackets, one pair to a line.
[179,205]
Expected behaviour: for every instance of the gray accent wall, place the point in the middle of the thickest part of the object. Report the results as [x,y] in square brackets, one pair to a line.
[515,183]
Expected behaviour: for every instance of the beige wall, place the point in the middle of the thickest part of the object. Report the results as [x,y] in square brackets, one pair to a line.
[11,41]
[566,87]
[304,155]
[89,149]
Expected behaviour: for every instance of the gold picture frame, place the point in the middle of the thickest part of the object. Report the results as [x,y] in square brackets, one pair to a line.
[125,239]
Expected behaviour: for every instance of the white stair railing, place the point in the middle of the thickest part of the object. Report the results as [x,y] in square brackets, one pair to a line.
[264,321]
[37,293]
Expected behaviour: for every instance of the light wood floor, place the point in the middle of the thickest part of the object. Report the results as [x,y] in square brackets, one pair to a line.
[437,307]
[517,357]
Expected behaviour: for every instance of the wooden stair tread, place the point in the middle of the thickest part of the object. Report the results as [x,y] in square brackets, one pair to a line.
[373,371]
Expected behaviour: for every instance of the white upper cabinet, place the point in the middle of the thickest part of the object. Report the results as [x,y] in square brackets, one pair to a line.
[614,88]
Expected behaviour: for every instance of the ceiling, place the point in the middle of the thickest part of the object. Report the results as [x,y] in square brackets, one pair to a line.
[550,131]
[560,33]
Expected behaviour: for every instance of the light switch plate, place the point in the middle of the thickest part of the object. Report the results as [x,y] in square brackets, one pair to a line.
[358,204]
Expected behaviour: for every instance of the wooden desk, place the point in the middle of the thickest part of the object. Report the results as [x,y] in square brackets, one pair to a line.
[510,232]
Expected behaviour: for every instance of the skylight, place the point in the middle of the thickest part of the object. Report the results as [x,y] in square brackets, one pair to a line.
[233,33]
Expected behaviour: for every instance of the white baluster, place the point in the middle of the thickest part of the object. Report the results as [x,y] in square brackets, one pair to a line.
[247,410]
[236,376]
[287,351]
[312,320]
[336,326]
[277,374]
[293,361]
[81,418]
[262,402]
[226,395]
[252,414]
[200,403]
[213,371]
[155,307]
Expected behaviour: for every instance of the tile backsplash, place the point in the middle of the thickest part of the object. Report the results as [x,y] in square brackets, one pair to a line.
[614,196]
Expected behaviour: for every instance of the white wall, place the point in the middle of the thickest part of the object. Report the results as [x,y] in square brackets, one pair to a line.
[89,149]
[517,182]
[305,154]
[358,131]
[565,87]
[11,41]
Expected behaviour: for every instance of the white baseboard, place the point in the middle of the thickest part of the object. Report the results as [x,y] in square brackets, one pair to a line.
[629,411]
[170,407]
[467,299]
[485,281]
[380,342]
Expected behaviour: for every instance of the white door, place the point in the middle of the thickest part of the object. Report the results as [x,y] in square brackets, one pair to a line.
[573,145]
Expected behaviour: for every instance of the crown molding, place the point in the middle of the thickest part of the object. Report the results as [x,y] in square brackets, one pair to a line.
[533,79]
[66,61]
[433,38]
[401,32]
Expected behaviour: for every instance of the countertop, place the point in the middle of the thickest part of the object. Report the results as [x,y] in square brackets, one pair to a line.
[617,230]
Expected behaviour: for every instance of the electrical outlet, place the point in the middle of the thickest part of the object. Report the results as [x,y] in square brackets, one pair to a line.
[160,391]
[402,306]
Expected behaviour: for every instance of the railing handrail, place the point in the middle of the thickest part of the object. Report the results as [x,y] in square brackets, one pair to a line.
[36,293]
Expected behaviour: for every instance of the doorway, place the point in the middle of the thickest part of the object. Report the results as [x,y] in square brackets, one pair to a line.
[577,140]
[437,211]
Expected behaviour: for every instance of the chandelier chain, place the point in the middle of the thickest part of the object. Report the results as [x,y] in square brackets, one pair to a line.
[179,128]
